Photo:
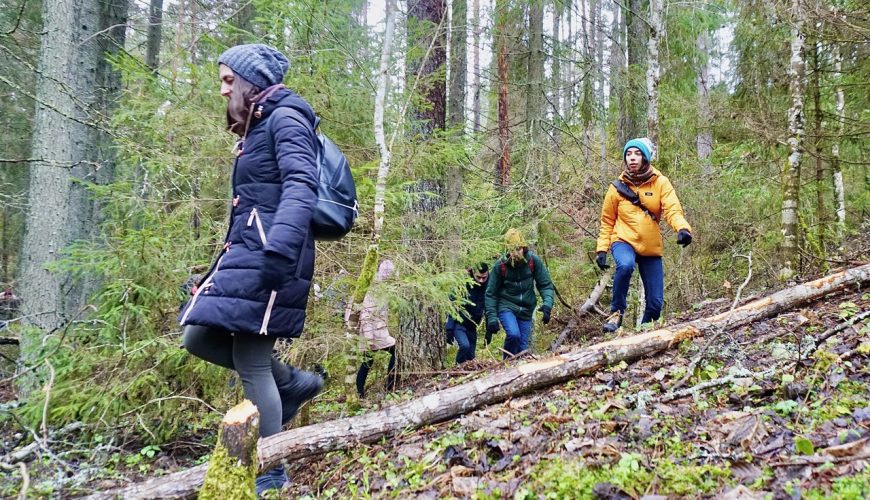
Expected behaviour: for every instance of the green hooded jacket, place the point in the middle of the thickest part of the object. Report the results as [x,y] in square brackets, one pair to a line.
[512,288]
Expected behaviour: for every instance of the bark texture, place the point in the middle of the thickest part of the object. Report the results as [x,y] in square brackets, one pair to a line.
[790,256]
[704,138]
[155,34]
[233,464]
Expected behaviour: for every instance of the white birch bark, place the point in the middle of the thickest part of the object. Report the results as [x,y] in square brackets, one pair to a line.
[475,86]
[380,137]
[653,70]
[839,188]
[791,181]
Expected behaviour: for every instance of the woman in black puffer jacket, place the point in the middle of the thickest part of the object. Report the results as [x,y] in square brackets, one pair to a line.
[257,289]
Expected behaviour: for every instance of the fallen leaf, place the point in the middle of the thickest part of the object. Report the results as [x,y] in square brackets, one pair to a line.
[804,446]
[849,449]
[745,472]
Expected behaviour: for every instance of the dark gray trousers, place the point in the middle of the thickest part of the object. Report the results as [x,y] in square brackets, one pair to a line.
[251,357]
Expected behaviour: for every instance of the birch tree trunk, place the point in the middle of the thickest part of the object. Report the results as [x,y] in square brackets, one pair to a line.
[705,138]
[370,263]
[837,173]
[821,213]
[618,74]
[75,87]
[652,72]
[155,34]
[475,86]
[790,256]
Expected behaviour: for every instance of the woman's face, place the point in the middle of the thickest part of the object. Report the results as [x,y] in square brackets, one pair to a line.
[633,160]
[227,80]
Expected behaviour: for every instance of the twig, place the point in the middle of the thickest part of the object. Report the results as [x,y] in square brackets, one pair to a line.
[830,332]
[18,456]
[48,387]
[745,282]
[697,359]
[711,383]
[25,481]
[816,460]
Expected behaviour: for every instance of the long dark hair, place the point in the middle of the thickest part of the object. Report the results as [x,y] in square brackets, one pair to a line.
[242,96]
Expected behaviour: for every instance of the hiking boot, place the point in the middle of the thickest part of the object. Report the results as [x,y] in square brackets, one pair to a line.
[274,479]
[613,323]
[301,387]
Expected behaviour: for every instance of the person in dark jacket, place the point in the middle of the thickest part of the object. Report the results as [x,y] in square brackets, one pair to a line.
[510,294]
[464,331]
[257,289]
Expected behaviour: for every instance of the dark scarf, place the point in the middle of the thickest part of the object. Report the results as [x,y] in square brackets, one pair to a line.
[640,177]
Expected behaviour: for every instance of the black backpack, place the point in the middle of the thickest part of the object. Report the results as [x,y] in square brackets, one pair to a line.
[337,206]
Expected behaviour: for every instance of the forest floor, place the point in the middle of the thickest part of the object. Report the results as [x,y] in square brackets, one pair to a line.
[757,424]
[769,416]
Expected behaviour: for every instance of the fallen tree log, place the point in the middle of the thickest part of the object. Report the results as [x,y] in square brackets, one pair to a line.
[499,386]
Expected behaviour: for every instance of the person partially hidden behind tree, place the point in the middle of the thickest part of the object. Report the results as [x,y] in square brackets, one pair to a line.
[633,206]
[464,331]
[373,328]
[510,294]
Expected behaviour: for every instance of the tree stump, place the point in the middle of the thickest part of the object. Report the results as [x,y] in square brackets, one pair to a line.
[233,465]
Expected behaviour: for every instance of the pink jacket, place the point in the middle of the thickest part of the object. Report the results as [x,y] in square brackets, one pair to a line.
[373,324]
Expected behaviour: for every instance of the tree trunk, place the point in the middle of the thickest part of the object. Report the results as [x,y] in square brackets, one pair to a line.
[511,382]
[635,101]
[475,86]
[836,172]
[425,64]
[233,464]
[602,97]
[503,164]
[535,92]
[656,32]
[155,34]
[619,74]
[456,102]
[241,23]
[75,89]
[705,138]
[370,263]
[821,215]
[790,256]
[557,83]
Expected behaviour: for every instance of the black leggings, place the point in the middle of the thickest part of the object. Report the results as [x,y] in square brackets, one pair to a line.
[251,357]
[366,365]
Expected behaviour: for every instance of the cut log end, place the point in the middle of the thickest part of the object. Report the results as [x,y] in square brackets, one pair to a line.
[233,464]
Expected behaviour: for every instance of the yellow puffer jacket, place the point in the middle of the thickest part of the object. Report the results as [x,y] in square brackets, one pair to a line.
[622,221]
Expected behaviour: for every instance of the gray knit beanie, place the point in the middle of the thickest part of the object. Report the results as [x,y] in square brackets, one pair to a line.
[259,64]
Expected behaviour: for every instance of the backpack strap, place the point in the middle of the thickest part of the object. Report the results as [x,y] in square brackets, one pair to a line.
[502,267]
[632,197]
[296,115]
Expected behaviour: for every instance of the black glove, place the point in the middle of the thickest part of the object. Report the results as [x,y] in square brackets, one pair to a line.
[450,337]
[492,327]
[273,271]
[487,339]
[601,260]
[684,237]
[545,311]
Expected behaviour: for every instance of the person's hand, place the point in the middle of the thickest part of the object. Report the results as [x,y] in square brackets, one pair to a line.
[273,271]
[601,260]
[684,237]
[545,311]
[450,337]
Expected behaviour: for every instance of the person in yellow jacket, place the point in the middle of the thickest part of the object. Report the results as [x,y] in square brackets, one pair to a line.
[633,207]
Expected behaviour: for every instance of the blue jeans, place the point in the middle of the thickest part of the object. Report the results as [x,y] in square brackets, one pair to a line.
[652,274]
[518,332]
[466,339]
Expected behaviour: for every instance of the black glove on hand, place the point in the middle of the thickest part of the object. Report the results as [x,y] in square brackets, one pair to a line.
[487,339]
[273,271]
[492,328]
[545,310]
[684,237]
[601,260]
[450,337]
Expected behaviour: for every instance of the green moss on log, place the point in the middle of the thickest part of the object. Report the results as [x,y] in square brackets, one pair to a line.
[227,479]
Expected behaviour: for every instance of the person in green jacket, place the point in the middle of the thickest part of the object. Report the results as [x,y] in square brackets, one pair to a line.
[510,294]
